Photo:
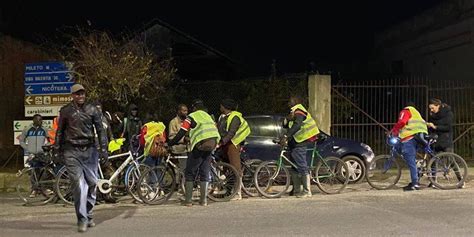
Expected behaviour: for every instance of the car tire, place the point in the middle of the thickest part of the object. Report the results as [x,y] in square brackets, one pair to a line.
[357,168]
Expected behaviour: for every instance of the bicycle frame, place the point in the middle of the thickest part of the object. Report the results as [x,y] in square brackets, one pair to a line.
[314,156]
[394,153]
[108,187]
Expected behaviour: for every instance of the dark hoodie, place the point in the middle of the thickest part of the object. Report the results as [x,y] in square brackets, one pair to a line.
[443,120]
[132,124]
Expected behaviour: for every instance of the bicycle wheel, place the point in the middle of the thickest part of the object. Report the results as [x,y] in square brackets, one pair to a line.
[271,180]
[156,185]
[448,170]
[331,175]
[248,171]
[63,186]
[35,186]
[132,175]
[225,182]
[383,172]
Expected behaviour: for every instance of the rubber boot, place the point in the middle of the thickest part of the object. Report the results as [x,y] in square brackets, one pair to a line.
[296,180]
[238,194]
[203,199]
[188,193]
[306,187]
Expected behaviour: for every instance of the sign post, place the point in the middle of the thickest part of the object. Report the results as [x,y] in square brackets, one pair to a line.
[47,88]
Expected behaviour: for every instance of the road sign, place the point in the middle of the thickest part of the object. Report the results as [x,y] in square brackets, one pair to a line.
[42,67]
[48,88]
[47,111]
[20,125]
[47,99]
[48,77]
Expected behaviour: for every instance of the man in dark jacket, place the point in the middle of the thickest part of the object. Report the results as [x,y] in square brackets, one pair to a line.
[75,141]
[132,125]
[441,124]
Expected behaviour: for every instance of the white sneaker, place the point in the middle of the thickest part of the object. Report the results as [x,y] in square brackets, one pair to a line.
[48,192]
[151,195]
[237,196]
[33,194]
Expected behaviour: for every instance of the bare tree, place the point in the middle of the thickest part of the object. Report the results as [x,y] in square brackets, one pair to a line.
[118,70]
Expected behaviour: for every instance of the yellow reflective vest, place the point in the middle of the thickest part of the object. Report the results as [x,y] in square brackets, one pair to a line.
[242,132]
[205,128]
[415,125]
[309,127]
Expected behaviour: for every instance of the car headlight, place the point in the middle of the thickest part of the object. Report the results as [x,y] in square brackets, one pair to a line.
[369,154]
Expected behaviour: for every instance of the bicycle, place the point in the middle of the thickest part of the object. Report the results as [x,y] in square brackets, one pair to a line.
[158,184]
[106,185]
[385,170]
[272,178]
[39,189]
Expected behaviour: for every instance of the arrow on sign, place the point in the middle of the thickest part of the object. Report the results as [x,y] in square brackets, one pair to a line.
[17,125]
[28,100]
[69,77]
[29,90]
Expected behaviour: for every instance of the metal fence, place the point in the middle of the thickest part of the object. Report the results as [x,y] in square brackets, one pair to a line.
[365,111]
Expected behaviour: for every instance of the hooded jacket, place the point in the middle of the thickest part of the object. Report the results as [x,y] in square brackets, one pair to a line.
[443,120]
[132,124]
[33,138]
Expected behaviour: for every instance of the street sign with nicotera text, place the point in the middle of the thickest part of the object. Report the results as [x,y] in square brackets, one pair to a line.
[47,87]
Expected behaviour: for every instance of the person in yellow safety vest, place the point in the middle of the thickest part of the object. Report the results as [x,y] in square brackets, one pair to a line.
[233,130]
[410,125]
[302,132]
[203,136]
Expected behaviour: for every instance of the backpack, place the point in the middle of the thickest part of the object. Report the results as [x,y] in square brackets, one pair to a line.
[153,138]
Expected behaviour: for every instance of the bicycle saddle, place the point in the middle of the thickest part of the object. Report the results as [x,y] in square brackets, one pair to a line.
[47,148]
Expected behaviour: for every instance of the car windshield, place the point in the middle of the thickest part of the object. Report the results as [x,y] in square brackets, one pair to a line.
[262,127]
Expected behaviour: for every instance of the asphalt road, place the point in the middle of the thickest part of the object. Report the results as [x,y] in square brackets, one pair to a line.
[360,211]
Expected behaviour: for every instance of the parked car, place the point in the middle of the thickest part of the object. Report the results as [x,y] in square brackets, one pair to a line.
[266,128]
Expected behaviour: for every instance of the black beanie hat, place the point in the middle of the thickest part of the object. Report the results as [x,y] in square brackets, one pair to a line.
[229,104]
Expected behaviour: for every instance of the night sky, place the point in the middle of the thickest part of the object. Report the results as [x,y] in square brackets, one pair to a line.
[254,34]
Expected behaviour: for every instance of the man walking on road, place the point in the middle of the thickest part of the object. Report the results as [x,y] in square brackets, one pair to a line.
[75,142]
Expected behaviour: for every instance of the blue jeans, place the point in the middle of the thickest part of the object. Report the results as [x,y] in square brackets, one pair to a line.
[298,155]
[152,162]
[409,154]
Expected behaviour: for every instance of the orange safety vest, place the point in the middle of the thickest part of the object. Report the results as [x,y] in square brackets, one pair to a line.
[52,131]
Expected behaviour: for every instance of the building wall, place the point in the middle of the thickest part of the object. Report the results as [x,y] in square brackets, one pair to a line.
[437,44]
[13,56]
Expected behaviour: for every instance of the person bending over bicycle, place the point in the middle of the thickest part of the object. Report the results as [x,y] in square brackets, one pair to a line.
[410,128]
[302,130]
[204,137]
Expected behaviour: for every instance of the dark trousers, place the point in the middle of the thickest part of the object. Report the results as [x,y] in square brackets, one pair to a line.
[198,161]
[298,156]
[82,167]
